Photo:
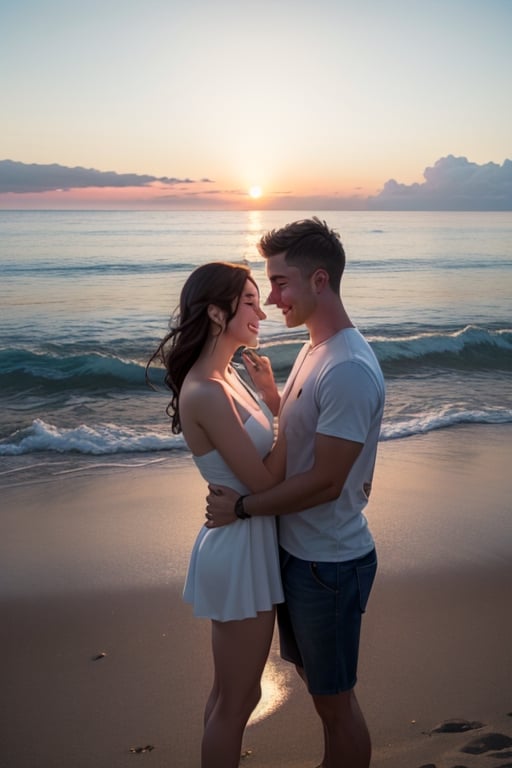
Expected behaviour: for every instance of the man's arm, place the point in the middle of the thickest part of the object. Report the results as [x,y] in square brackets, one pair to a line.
[333,460]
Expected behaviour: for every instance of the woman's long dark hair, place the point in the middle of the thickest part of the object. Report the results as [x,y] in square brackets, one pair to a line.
[217,283]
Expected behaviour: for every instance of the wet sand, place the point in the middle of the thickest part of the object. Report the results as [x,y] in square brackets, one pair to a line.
[100,657]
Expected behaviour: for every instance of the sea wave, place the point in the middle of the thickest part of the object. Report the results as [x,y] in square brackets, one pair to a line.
[446,417]
[418,264]
[70,270]
[97,440]
[108,438]
[472,349]
[21,368]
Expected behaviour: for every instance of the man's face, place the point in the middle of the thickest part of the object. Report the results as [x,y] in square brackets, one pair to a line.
[290,291]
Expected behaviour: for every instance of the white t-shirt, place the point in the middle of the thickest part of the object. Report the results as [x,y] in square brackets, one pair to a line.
[335,389]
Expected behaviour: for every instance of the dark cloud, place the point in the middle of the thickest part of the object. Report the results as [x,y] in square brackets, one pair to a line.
[23,178]
[452,184]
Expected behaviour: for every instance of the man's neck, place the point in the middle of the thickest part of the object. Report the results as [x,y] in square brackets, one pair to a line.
[323,325]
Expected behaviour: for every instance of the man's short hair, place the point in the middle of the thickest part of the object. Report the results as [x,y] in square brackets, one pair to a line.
[308,244]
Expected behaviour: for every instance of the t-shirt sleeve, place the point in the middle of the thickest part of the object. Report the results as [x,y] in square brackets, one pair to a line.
[348,399]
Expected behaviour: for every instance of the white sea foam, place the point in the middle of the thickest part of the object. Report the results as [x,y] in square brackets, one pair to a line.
[448,417]
[97,440]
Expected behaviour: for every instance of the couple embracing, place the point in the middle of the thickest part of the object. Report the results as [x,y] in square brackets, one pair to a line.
[314,479]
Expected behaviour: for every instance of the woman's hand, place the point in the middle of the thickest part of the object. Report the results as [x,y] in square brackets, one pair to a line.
[260,370]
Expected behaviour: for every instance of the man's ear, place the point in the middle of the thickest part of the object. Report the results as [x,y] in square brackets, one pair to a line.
[320,280]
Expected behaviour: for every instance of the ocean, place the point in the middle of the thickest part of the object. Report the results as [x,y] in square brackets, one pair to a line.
[86,296]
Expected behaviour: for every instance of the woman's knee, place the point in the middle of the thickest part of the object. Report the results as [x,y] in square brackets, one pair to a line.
[252,700]
[238,707]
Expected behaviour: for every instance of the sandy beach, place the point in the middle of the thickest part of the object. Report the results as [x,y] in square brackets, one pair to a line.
[103,666]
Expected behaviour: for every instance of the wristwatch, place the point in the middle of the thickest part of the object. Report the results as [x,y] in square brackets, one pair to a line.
[239,508]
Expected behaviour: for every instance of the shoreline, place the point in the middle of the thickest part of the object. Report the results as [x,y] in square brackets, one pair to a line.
[94,563]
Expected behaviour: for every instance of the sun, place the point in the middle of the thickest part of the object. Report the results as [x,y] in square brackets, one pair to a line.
[255,192]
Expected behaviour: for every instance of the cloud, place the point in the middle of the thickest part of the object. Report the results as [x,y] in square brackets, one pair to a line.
[23,178]
[452,184]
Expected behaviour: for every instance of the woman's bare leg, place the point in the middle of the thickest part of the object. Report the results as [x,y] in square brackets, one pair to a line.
[210,704]
[240,651]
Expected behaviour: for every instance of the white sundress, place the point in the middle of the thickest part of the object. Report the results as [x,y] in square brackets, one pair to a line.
[234,570]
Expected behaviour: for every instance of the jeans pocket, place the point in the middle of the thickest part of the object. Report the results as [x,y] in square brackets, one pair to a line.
[325,575]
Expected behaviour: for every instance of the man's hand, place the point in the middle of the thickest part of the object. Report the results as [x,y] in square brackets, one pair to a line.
[220,506]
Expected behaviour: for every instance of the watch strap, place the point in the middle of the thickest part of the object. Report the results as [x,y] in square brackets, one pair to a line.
[239,508]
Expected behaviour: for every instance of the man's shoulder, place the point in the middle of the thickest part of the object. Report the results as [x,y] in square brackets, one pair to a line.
[351,356]
[348,346]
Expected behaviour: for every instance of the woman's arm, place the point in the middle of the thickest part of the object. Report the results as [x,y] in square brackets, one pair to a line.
[208,406]
[275,461]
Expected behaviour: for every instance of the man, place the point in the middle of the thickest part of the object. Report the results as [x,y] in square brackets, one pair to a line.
[330,412]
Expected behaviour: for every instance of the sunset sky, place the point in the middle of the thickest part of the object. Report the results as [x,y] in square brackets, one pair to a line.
[159,103]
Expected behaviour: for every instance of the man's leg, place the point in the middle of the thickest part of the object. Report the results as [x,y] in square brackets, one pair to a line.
[319,631]
[347,740]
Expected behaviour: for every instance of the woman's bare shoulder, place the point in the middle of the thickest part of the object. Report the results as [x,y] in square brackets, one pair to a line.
[199,391]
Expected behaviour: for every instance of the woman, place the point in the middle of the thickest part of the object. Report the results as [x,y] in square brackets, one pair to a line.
[233,576]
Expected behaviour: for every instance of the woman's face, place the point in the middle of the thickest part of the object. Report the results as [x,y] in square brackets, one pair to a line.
[244,325]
